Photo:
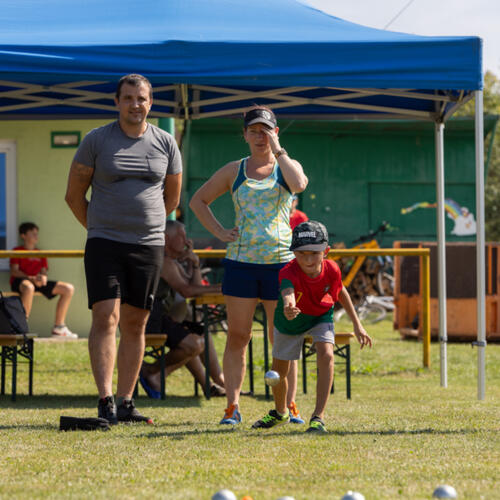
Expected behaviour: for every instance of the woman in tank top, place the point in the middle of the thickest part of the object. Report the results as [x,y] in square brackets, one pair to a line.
[262,186]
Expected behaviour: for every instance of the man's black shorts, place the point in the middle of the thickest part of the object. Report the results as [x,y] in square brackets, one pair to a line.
[46,290]
[123,271]
[159,322]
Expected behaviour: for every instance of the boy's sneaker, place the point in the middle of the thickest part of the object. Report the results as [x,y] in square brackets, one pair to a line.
[63,331]
[272,419]
[295,417]
[231,416]
[127,412]
[107,409]
[317,426]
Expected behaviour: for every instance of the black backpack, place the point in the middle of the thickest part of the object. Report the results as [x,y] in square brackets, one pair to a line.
[12,315]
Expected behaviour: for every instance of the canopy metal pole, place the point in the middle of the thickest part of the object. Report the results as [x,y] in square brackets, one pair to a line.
[441,250]
[480,246]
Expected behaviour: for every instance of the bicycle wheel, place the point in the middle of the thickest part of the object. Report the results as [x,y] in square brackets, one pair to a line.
[385,283]
[338,314]
[371,313]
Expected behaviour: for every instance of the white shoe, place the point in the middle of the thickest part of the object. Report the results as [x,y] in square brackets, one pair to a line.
[63,331]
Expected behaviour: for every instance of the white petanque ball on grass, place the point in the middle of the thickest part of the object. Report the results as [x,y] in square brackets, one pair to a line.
[353,495]
[224,495]
[445,491]
[272,378]
[286,498]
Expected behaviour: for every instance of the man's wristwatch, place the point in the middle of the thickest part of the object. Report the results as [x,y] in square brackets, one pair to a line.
[282,151]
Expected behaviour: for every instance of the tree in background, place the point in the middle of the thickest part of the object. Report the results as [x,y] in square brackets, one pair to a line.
[491,97]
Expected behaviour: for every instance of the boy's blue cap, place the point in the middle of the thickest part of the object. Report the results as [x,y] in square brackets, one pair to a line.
[309,236]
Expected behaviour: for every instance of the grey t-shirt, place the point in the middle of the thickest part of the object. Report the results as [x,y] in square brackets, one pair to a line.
[126,203]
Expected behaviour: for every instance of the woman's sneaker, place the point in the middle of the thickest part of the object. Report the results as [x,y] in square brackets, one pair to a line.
[106,408]
[63,331]
[231,416]
[127,412]
[272,419]
[317,426]
[295,417]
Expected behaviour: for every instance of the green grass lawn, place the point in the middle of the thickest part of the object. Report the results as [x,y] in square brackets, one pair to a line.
[400,436]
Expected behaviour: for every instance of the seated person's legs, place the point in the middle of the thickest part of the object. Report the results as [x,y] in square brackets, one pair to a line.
[215,368]
[65,292]
[182,343]
[52,289]
[197,368]
[26,289]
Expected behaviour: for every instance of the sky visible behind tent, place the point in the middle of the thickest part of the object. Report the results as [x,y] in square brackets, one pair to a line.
[427,17]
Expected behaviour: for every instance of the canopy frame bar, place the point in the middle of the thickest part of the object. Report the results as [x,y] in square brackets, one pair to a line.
[191,105]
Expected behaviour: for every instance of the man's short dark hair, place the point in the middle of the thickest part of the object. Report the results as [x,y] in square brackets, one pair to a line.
[134,80]
[27,226]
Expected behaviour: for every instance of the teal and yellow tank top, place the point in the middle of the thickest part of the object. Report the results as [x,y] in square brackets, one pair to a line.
[262,210]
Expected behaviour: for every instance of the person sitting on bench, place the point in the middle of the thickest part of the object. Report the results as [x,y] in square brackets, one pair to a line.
[180,278]
[29,275]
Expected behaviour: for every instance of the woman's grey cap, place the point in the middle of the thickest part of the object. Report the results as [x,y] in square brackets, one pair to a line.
[310,235]
[260,115]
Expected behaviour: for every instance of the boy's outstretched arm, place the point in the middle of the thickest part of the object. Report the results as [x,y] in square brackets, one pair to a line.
[359,331]
[290,310]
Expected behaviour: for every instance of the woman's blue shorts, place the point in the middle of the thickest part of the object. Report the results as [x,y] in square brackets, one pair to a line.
[250,281]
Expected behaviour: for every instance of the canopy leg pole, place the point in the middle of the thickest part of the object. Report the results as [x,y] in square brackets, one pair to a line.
[480,246]
[441,251]
[168,124]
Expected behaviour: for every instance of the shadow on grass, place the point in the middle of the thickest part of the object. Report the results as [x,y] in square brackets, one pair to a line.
[260,434]
[29,427]
[85,401]
[187,433]
[405,432]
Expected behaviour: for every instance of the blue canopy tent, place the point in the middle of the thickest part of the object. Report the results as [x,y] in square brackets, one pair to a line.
[210,58]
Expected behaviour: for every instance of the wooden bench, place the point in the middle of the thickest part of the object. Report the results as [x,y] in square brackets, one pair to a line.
[13,345]
[155,349]
[342,348]
[15,294]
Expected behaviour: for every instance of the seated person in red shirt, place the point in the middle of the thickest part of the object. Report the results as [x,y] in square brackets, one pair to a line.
[29,275]
[296,216]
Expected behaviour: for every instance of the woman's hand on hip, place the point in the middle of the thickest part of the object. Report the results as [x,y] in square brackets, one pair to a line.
[229,234]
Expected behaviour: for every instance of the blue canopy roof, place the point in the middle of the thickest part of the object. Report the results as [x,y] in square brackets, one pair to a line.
[214,57]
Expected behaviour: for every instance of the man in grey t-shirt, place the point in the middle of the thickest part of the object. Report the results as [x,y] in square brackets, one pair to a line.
[135,172]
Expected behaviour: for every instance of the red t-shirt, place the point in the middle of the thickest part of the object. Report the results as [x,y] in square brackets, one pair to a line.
[297,217]
[314,296]
[29,265]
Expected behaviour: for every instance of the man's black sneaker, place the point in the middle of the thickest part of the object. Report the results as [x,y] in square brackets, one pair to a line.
[127,412]
[316,426]
[107,409]
[272,419]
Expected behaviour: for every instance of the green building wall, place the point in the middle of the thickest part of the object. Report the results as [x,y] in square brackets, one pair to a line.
[360,173]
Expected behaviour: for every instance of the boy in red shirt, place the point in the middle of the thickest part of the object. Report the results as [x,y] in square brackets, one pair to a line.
[310,285]
[29,275]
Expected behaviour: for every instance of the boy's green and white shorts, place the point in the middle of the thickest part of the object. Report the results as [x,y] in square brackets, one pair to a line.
[289,347]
